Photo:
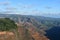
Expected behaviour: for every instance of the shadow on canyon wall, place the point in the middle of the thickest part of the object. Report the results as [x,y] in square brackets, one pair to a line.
[53,33]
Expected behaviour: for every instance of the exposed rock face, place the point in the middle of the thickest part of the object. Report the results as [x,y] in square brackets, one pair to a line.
[26,31]
[7,36]
[35,34]
[24,34]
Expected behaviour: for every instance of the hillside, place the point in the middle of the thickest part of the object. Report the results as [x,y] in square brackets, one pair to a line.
[32,27]
[10,31]
[7,28]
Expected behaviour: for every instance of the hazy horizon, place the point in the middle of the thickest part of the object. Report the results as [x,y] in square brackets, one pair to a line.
[50,8]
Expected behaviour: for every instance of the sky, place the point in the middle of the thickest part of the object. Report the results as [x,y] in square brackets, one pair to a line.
[31,7]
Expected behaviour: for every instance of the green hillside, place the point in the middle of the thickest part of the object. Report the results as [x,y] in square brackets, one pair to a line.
[6,24]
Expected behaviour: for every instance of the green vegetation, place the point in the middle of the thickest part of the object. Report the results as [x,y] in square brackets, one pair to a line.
[6,24]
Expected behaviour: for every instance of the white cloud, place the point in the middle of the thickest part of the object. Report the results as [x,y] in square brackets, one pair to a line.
[4,3]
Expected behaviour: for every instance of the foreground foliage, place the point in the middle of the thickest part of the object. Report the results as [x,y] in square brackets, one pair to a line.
[6,24]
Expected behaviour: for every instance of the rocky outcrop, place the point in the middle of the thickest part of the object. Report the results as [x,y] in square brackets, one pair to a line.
[35,34]
[5,35]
